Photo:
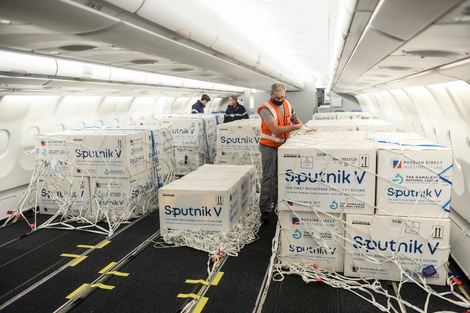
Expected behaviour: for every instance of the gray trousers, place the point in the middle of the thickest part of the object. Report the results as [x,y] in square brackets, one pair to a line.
[268,196]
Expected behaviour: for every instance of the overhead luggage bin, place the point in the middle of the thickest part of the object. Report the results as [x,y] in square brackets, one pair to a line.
[68,16]
[195,20]
[24,64]
[87,71]
[130,6]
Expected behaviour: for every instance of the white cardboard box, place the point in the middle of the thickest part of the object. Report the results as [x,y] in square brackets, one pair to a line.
[199,205]
[117,197]
[51,149]
[412,243]
[375,125]
[186,131]
[106,153]
[330,177]
[238,138]
[245,173]
[353,115]
[311,238]
[188,159]
[72,194]
[414,181]
[333,125]
[324,116]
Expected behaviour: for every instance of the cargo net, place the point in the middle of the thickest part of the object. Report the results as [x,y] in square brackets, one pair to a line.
[218,245]
[87,201]
[193,138]
[356,251]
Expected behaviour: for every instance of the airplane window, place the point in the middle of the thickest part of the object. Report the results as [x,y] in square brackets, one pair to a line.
[4,139]
[116,121]
[80,125]
[99,123]
[58,128]
[28,139]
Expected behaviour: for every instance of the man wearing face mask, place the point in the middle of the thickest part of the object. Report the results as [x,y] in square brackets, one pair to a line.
[235,111]
[198,107]
[278,119]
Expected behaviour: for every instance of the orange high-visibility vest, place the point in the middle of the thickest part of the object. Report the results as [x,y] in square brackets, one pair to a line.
[267,136]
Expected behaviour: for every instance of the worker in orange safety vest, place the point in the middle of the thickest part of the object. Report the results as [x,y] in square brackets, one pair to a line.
[278,119]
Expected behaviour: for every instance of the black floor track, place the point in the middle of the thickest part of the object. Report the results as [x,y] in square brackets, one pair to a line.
[157,275]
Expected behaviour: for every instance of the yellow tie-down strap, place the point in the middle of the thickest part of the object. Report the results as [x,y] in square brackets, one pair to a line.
[116,273]
[83,286]
[102,286]
[215,281]
[75,256]
[197,281]
[189,295]
[105,243]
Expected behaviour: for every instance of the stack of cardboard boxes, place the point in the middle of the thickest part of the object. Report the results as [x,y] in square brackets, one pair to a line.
[378,203]
[194,137]
[212,198]
[102,173]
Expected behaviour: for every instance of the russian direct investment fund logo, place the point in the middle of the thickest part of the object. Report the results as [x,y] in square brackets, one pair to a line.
[295,220]
[397,164]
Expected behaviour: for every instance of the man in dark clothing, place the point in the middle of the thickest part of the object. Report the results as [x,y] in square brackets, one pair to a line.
[199,106]
[235,111]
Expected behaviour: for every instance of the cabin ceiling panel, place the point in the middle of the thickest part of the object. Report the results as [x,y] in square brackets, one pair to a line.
[413,16]
[448,41]
[434,33]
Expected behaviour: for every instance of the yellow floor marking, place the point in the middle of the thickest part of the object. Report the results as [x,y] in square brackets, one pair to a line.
[116,273]
[464,292]
[73,294]
[104,244]
[197,281]
[200,305]
[103,286]
[107,268]
[79,260]
[189,295]
[86,246]
[217,278]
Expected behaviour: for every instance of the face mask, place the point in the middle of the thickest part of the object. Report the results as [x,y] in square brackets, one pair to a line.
[278,103]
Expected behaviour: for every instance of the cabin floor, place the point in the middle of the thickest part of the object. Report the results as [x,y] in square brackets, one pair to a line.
[37,277]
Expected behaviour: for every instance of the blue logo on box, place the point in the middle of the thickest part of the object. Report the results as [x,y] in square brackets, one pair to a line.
[297,234]
[334,205]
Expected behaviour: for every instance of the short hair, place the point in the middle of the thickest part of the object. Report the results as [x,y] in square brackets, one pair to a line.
[234,97]
[277,87]
[205,97]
